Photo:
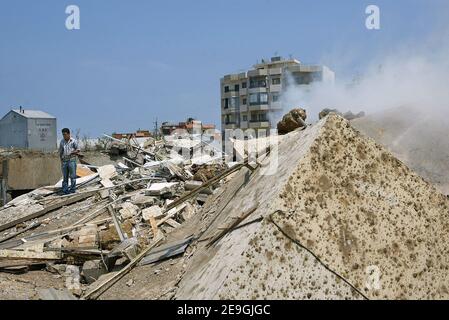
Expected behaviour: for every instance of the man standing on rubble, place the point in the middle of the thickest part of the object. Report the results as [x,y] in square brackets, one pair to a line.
[68,150]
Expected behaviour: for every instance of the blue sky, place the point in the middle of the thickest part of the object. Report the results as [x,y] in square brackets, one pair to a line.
[137,60]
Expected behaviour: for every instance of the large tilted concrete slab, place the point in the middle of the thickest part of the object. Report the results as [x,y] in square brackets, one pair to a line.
[341,219]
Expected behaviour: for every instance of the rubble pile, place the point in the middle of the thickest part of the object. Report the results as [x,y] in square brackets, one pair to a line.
[340,219]
[118,213]
[293,120]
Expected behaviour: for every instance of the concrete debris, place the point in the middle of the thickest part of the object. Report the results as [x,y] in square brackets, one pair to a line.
[344,220]
[107,172]
[92,270]
[118,212]
[338,208]
[159,189]
[142,200]
[151,212]
[128,210]
[347,115]
[293,120]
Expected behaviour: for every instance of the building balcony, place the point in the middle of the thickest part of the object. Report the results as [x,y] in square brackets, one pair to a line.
[275,71]
[230,125]
[275,88]
[230,94]
[233,77]
[257,90]
[276,105]
[229,110]
[258,72]
[258,107]
[259,124]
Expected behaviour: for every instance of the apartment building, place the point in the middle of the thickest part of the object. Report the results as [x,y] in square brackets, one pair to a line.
[252,99]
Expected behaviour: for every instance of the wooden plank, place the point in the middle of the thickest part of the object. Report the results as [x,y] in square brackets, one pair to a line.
[171,214]
[117,225]
[206,185]
[96,292]
[31,226]
[83,172]
[20,263]
[27,254]
[48,235]
[154,227]
[172,223]
[49,208]
[4,182]
[3,190]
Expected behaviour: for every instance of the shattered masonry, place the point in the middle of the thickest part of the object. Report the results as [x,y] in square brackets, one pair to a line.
[339,211]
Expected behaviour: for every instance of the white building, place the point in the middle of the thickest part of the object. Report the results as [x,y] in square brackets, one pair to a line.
[248,98]
[28,129]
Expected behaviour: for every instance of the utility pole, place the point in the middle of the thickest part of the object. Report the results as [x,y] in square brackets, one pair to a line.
[156,130]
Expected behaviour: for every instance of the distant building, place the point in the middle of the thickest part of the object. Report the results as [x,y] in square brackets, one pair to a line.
[28,129]
[252,99]
[137,134]
[167,128]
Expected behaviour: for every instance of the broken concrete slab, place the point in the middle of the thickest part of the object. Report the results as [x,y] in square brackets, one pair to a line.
[158,189]
[151,212]
[142,200]
[128,210]
[166,251]
[92,270]
[107,171]
[341,208]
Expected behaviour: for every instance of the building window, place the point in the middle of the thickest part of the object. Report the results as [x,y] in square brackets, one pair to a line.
[243,85]
[275,81]
[275,98]
[226,89]
[226,103]
[245,117]
[258,82]
[262,117]
[258,98]
[303,78]
[236,87]
[253,98]
[235,102]
[244,101]
[253,117]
